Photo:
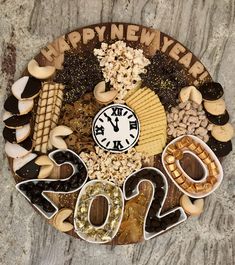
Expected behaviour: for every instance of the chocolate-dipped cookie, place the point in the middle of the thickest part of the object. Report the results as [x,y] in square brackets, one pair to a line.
[26,87]
[218,119]
[211,91]
[20,107]
[19,150]
[220,148]
[26,167]
[15,121]
[16,135]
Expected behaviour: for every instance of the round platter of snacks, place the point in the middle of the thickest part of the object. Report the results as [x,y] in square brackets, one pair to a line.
[115,133]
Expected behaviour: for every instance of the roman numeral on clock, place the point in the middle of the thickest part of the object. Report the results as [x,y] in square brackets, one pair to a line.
[117,111]
[133,125]
[117,145]
[99,130]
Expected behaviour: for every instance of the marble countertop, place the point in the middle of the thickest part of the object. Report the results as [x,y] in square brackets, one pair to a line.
[207,28]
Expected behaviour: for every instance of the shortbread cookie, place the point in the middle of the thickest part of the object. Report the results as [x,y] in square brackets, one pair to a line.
[26,87]
[19,107]
[215,107]
[223,133]
[211,91]
[16,135]
[19,150]
[152,117]
[15,121]
[25,167]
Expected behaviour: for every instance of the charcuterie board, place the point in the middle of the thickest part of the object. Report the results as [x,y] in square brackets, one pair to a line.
[113,129]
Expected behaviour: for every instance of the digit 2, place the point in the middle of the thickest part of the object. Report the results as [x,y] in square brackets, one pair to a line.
[34,189]
[155,223]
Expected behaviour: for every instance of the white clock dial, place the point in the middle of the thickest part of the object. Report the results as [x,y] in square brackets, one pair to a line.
[116,128]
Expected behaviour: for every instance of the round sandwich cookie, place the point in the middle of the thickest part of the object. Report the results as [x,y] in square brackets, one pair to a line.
[16,121]
[211,91]
[16,135]
[19,150]
[25,167]
[26,87]
[218,119]
[20,107]
[220,148]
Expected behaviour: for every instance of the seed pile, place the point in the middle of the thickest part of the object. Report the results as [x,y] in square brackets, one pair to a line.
[80,73]
[166,78]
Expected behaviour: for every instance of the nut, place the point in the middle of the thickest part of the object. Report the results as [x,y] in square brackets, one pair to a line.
[188,118]
[40,72]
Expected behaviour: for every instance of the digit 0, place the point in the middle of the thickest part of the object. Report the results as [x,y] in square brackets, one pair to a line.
[155,222]
[213,172]
[83,226]
[34,190]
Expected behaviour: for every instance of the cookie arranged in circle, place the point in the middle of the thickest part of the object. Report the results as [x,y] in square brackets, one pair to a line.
[211,91]
[221,119]
[26,87]
[19,107]
[16,135]
[220,148]
[16,121]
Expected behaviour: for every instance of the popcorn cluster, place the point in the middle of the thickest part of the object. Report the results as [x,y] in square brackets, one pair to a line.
[121,66]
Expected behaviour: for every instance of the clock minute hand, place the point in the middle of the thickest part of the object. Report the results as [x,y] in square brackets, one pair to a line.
[115,127]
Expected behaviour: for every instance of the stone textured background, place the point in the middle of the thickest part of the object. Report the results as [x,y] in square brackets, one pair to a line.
[206,27]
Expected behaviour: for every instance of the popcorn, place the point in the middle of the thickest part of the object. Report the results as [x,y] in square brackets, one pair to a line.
[121,66]
[104,165]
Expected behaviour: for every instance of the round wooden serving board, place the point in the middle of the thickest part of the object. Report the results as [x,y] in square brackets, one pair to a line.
[136,36]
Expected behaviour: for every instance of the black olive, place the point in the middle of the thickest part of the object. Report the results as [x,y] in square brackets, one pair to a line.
[68,155]
[59,157]
[48,207]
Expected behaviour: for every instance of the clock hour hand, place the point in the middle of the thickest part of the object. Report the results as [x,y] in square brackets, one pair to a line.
[115,126]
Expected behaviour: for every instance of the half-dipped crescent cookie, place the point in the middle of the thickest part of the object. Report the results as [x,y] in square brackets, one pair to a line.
[15,121]
[220,148]
[218,119]
[19,150]
[211,91]
[25,167]
[16,135]
[215,107]
[26,87]
[15,106]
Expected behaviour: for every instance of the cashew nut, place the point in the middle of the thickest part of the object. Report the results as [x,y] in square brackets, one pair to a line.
[40,72]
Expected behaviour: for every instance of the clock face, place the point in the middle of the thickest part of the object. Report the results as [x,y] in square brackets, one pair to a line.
[116,128]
